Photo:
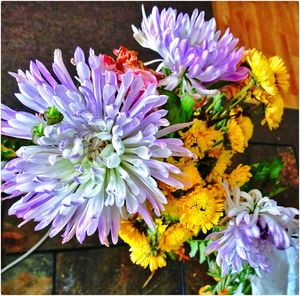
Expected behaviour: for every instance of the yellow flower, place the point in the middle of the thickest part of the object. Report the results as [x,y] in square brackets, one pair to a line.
[160,227]
[247,127]
[220,167]
[142,254]
[191,175]
[262,71]
[280,72]
[130,234]
[201,210]
[205,290]
[273,112]
[200,138]
[217,191]
[236,136]
[174,237]
[172,208]
[240,175]
[244,122]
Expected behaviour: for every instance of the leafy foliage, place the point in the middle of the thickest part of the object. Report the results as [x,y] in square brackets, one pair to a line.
[9,146]
[179,110]
[198,246]
[232,283]
[266,176]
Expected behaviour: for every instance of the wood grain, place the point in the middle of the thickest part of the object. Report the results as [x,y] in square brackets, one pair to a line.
[271,27]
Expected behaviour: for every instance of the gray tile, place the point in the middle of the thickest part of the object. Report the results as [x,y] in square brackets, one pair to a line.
[110,271]
[33,276]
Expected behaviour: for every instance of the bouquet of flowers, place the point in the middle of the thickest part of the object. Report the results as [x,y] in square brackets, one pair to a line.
[145,155]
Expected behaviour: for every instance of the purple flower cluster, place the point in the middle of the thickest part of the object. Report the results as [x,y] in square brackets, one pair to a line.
[191,49]
[99,159]
[256,226]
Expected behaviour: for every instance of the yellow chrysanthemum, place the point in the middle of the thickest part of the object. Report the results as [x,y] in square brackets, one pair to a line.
[142,254]
[281,74]
[172,208]
[240,175]
[130,234]
[191,175]
[201,211]
[247,127]
[200,138]
[236,136]
[220,167]
[244,122]
[262,71]
[273,112]
[259,95]
[174,237]
[217,191]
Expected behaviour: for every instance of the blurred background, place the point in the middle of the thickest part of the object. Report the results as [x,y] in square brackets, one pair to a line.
[32,30]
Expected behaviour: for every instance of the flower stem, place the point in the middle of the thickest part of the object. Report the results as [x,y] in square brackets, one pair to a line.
[148,279]
[241,95]
[24,256]
[219,97]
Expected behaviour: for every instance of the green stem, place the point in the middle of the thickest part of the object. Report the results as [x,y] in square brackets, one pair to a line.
[217,98]
[244,89]
[242,93]
[217,143]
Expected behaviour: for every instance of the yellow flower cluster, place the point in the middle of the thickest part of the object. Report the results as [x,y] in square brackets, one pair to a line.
[227,129]
[150,250]
[200,138]
[272,81]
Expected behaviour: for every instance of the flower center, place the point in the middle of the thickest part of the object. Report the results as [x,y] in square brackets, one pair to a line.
[95,146]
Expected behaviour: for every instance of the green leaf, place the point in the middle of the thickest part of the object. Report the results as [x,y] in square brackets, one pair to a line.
[194,248]
[9,146]
[171,255]
[173,105]
[276,167]
[166,71]
[187,104]
[202,247]
[179,110]
[266,177]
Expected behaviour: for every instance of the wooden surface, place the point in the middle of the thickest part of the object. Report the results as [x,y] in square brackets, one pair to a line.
[272,27]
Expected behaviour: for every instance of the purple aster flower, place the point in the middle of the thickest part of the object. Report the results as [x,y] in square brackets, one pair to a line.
[236,248]
[98,158]
[191,49]
[256,226]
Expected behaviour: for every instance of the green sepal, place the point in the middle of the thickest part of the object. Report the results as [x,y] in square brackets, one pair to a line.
[38,131]
[53,116]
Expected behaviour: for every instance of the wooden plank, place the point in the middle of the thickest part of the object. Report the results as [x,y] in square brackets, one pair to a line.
[272,27]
